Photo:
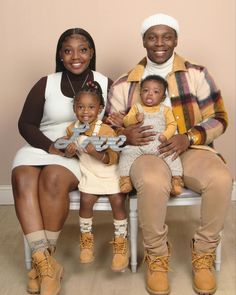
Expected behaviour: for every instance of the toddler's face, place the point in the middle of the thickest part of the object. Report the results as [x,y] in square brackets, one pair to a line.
[152,93]
[87,107]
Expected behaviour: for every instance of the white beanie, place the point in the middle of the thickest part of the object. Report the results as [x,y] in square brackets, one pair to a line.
[159,19]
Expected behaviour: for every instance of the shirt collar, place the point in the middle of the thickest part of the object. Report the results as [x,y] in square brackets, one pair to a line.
[136,74]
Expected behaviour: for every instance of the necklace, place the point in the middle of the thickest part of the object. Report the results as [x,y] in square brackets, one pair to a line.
[71,86]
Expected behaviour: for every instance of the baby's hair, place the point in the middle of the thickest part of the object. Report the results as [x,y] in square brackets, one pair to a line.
[94,88]
[157,78]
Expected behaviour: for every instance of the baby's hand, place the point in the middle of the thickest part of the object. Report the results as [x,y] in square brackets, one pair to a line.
[140,117]
[162,138]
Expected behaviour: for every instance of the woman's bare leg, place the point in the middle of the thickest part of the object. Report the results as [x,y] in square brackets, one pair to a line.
[55,183]
[25,191]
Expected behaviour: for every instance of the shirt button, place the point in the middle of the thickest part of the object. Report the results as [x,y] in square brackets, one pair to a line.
[177,117]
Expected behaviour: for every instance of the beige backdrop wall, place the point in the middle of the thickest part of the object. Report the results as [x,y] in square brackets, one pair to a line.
[30,30]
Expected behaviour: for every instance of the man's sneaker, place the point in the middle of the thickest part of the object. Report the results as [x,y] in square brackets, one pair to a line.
[120,259]
[86,248]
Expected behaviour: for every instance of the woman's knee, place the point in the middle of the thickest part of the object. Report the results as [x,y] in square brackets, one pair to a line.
[24,179]
[57,180]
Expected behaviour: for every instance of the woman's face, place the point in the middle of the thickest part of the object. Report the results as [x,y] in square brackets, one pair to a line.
[160,42]
[76,54]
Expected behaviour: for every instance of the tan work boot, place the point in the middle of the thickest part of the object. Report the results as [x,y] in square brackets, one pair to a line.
[50,272]
[120,259]
[33,285]
[157,274]
[125,184]
[177,185]
[86,248]
[204,281]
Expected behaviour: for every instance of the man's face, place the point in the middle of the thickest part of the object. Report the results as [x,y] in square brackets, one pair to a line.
[160,42]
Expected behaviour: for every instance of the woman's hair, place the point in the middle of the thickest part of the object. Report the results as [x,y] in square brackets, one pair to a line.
[94,88]
[156,78]
[59,64]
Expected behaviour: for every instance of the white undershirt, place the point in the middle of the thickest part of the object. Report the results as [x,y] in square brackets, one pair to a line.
[162,70]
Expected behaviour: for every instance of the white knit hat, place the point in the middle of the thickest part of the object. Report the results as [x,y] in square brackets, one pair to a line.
[159,19]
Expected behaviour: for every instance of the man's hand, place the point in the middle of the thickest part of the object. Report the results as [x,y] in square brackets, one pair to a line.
[175,146]
[138,135]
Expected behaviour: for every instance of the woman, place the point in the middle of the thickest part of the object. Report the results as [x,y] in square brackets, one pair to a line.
[42,177]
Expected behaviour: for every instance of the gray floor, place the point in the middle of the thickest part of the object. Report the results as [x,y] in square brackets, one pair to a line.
[97,277]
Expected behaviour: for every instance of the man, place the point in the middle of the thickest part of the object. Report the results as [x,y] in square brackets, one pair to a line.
[199,111]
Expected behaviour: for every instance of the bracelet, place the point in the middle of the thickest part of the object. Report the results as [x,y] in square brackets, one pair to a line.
[103,157]
[190,138]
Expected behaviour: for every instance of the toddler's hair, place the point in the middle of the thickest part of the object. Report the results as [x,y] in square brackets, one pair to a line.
[94,88]
[157,78]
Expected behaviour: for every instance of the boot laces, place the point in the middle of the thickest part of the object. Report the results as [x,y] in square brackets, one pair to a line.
[205,260]
[119,247]
[44,267]
[86,241]
[157,263]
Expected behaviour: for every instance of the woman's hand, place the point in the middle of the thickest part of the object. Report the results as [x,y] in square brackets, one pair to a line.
[139,135]
[175,146]
[55,151]
[116,119]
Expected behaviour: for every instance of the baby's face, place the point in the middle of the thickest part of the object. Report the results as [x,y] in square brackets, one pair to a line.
[152,93]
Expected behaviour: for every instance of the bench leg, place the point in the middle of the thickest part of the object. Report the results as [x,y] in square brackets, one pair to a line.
[133,234]
[27,254]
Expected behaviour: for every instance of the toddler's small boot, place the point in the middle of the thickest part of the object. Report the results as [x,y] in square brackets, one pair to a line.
[125,184]
[177,185]
[120,259]
[49,271]
[204,281]
[86,247]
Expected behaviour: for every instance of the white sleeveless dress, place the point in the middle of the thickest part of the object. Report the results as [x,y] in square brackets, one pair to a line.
[58,114]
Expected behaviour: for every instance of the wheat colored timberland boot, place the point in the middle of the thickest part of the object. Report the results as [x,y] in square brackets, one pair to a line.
[50,272]
[120,259]
[86,248]
[204,281]
[33,285]
[157,274]
[125,184]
